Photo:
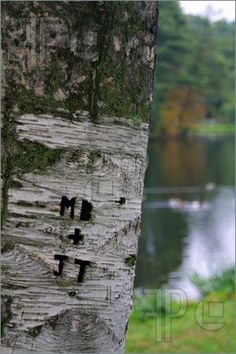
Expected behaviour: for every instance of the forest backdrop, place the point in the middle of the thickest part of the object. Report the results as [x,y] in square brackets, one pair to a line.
[194,80]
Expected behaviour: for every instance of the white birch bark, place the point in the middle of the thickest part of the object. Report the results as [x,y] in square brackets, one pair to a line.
[101,164]
[47,307]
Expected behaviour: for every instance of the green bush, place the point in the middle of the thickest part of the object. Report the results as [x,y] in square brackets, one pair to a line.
[222,280]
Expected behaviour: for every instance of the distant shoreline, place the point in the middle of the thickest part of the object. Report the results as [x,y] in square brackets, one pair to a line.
[201,129]
[212,129]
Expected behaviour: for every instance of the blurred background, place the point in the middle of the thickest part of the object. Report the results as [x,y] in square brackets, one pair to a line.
[188,237]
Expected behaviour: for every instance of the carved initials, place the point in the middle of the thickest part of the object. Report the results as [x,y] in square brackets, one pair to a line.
[66,203]
[61,259]
[83,265]
[86,210]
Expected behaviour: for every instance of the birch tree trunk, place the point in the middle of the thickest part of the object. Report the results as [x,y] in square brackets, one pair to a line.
[77,95]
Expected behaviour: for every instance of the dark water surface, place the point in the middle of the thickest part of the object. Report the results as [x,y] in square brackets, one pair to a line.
[188,220]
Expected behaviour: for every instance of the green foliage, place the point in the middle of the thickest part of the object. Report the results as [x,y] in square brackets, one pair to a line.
[214,129]
[153,302]
[156,301]
[152,314]
[224,280]
[187,336]
[212,65]
[172,50]
[197,54]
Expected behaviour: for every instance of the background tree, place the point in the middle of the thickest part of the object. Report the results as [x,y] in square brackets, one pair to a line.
[195,72]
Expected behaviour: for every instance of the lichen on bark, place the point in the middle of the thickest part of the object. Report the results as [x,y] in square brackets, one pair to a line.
[99,65]
[77,94]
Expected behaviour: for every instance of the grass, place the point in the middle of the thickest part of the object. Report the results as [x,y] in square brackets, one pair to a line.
[213,129]
[224,281]
[201,327]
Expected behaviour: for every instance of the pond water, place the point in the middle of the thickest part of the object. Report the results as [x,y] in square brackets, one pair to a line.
[188,223]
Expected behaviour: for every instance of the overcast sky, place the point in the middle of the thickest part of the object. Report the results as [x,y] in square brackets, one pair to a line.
[220,9]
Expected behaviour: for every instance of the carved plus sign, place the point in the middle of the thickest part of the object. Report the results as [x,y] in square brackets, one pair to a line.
[76,237]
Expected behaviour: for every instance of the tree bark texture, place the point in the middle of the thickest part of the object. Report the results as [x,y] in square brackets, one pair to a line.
[76,104]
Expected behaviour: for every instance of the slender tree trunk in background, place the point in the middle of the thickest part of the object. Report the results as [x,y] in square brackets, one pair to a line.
[77,94]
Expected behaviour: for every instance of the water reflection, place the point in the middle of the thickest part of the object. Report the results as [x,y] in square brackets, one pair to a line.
[175,241]
[210,244]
